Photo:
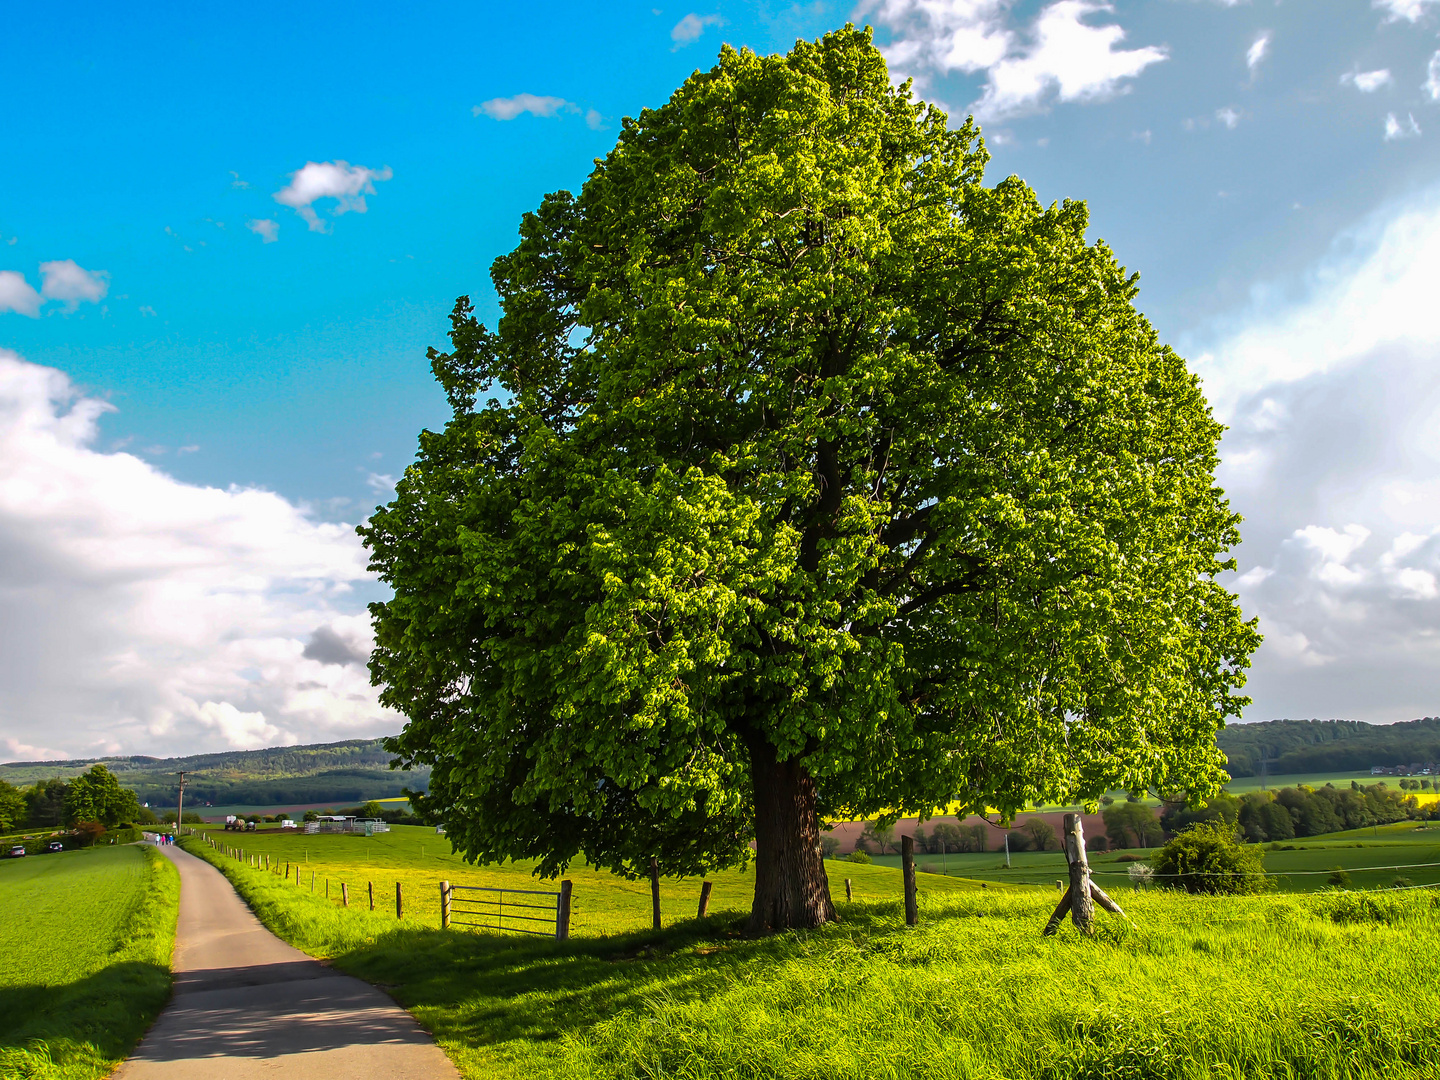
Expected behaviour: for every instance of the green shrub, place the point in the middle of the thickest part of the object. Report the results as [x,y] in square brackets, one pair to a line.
[857,856]
[1338,878]
[1208,857]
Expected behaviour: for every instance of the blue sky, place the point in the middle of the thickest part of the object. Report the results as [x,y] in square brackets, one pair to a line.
[207,376]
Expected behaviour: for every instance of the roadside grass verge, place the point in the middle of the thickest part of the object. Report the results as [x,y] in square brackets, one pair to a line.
[1325,986]
[85,944]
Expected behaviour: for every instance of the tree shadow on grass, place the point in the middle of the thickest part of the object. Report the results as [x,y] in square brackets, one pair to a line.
[486,989]
[100,1017]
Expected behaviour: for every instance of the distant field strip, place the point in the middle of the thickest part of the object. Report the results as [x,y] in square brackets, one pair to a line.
[85,943]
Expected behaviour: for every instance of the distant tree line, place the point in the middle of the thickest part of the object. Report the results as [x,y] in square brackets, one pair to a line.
[92,798]
[1314,746]
[1292,812]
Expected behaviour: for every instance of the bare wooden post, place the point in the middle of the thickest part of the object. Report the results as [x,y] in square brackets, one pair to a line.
[1082,904]
[562,913]
[705,887]
[399,902]
[327,888]
[370,885]
[907,865]
[444,905]
[312,881]
[655,892]
[849,891]
[344,895]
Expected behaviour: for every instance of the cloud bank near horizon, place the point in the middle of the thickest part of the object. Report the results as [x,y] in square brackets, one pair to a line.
[147,615]
[1332,392]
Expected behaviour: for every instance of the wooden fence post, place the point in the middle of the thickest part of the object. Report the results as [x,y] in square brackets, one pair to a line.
[655,892]
[562,915]
[1083,894]
[907,864]
[327,888]
[849,891]
[370,887]
[312,881]
[1082,904]
[444,905]
[344,895]
[399,902]
[705,887]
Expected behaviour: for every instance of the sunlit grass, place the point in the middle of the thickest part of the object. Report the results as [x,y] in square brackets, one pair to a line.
[1326,986]
[85,943]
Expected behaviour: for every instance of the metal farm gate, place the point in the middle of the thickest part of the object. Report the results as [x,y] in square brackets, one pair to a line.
[521,911]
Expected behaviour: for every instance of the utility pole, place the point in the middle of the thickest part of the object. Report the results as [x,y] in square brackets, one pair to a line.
[180,810]
[1007,850]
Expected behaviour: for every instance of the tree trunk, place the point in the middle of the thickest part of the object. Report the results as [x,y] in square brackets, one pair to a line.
[791,889]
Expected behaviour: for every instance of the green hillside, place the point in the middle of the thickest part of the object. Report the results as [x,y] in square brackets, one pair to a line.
[342,772]
[1327,746]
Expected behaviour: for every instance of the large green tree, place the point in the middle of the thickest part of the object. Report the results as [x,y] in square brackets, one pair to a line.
[818,478]
[97,796]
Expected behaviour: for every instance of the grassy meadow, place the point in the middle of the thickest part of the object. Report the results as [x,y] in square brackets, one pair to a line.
[1325,986]
[85,943]
[419,859]
[1300,865]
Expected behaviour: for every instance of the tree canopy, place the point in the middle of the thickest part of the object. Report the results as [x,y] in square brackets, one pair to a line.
[803,474]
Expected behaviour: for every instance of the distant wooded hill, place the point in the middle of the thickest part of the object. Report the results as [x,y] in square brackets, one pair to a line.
[342,772]
[1317,746]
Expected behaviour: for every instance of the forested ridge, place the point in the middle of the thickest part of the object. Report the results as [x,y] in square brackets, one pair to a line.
[350,771]
[1312,746]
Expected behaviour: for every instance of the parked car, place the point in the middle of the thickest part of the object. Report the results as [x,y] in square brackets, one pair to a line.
[17,851]
[55,845]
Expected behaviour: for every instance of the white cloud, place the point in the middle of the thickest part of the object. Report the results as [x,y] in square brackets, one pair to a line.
[1400,129]
[593,120]
[339,180]
[1060,56]
[381,483]
[1409,10]
[1332,394]
[1367,82]
[17,294]
[1227,116]
[266,228]
[1431,85]
[237,182]
[511,107]
[65,281]
[1258,48]
[161,616]
[691,27]
[1376,286]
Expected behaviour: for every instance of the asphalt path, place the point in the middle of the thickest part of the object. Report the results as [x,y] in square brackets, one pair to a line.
[248,1005]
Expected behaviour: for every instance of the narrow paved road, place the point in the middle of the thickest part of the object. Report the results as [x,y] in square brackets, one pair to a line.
[248,1005]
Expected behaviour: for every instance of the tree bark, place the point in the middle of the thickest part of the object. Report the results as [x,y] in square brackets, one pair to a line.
[791,889]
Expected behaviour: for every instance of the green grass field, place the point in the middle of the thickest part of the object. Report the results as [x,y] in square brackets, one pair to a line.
[1301,865]
[85,943]
[1321,986]
[419,860]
